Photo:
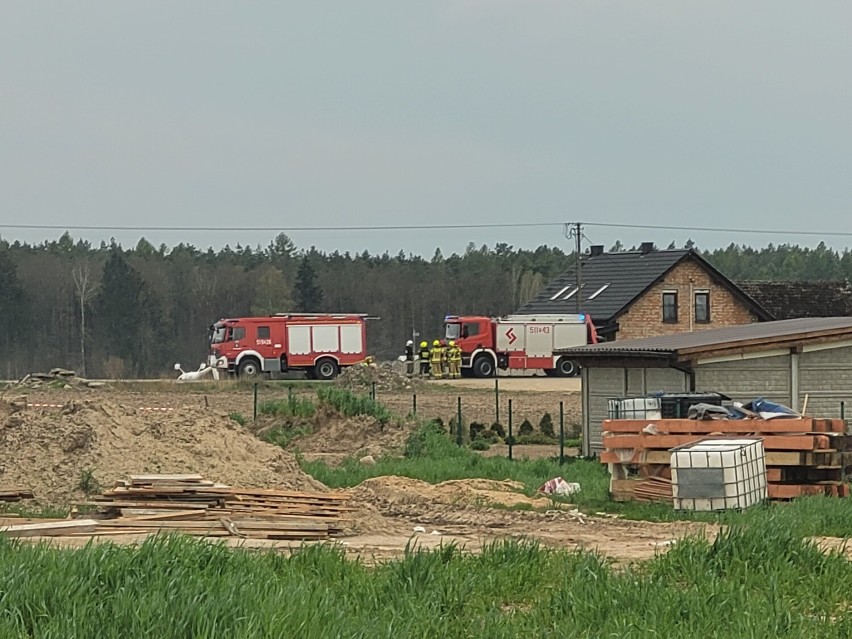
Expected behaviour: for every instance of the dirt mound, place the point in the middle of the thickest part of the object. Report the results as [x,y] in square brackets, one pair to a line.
[396,495]
[387,376]
[332,437]
[47,451]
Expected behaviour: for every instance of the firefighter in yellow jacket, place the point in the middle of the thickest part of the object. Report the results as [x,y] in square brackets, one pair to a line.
[423,358]
[454,357]
[435,356]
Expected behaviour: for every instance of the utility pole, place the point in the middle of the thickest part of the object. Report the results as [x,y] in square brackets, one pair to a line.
[575,231]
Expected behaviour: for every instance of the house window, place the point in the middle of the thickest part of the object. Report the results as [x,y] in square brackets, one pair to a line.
[702,307]
[262,332]
[670,307]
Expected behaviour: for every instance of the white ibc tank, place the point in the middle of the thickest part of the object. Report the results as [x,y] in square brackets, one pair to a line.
[719,474]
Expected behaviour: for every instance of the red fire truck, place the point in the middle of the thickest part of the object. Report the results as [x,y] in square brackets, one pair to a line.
[317,343]
[519,342]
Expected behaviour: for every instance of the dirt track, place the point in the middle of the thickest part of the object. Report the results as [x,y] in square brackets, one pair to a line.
[511,384]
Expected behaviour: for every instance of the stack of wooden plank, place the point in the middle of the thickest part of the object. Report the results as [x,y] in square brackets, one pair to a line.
[191,505]
[804,456]
[15,494]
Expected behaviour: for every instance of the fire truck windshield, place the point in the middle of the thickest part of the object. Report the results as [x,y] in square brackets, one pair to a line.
[453,331]
[218,334]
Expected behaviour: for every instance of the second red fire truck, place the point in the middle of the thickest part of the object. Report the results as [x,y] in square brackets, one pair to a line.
[519,342]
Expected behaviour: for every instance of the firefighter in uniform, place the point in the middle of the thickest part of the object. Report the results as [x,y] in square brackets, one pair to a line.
[454,356]
[445,362]
[435,359]
[424,359]
[409,358]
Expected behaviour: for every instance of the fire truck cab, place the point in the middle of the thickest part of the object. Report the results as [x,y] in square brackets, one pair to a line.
[318,344]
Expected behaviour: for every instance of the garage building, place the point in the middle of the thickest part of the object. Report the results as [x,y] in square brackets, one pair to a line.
[781,361]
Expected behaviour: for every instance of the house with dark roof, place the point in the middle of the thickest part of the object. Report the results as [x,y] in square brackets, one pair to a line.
[648,292]
[789,300]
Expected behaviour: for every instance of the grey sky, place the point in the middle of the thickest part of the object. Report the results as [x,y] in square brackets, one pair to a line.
[459,111]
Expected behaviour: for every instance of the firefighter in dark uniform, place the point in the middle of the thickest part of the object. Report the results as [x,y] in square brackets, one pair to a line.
[424,359]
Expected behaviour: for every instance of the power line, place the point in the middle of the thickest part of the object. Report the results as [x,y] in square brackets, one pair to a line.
[292,229]
[708,229]
[419,227]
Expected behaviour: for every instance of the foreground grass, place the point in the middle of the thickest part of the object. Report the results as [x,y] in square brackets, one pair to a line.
[754,581]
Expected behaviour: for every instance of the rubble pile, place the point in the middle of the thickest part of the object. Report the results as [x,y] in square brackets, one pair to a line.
[387,376]
[56,378]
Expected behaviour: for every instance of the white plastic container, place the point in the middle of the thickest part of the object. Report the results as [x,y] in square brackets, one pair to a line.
[635,408]
[719,474]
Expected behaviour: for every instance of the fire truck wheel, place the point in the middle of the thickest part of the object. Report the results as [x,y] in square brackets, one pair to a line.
[325,368]
[565,367]
[249,367]
[483,366]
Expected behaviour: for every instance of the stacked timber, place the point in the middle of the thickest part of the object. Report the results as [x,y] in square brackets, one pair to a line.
[15,494]
[804,456]
[191,505]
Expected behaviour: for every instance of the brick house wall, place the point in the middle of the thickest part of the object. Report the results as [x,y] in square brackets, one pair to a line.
[644,318]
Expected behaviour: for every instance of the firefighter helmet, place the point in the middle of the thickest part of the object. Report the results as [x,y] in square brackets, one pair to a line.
[436,343]
[452,342]
[423,344]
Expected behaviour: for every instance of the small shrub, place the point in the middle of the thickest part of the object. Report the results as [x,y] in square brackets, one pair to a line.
[574,431]
[536,438]
[489,436]
[545,426]
[237,417]
[429,440]
[479,444]
[497,428]
[476,430]
[88,484]
[292,406]
[349,404]
[283,436]
[526,428]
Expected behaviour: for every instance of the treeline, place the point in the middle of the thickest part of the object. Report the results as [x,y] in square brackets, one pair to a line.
[113,312]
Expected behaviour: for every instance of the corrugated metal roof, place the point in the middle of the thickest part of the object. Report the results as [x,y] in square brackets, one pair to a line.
[717,337]
[625,276]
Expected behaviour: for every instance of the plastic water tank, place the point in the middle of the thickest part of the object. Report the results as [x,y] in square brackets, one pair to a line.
[718,474]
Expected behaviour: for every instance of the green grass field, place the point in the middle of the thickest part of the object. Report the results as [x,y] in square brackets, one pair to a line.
[754,581]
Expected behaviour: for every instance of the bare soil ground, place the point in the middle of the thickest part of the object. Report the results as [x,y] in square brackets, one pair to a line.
[394,512]
[433,399]
[47,448]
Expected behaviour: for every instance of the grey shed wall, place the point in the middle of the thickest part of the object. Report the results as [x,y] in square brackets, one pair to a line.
[745,379]
[603,384]
[825,375]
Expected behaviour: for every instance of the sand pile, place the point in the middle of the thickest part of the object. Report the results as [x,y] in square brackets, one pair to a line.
[395,495]
[47,451]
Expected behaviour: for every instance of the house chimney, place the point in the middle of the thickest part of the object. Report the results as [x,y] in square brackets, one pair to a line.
[646,247]
[595,250]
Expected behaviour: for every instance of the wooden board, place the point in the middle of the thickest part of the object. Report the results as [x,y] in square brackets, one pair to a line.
[771,442]
[732,426]
[50,528]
